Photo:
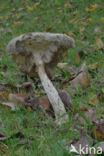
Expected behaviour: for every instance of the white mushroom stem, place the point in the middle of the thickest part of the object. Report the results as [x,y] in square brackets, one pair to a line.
[53,96]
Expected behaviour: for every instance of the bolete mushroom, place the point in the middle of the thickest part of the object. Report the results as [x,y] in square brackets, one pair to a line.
[42,51]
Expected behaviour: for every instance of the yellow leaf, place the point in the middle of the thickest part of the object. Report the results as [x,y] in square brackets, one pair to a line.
[102,19]
[30,9]
[82,29]
[33,7]
[98,130]
[94,100]
[17,23]
[68,5]
[91,8]
[99,43]
[90,20]
[93,66]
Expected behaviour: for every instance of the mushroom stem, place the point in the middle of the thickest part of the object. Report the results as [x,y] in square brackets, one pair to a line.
[53,96]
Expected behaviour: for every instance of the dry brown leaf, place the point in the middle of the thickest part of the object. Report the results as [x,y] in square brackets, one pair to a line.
[91,114]
[88,114]
[44,103]
[98,130]
[33,103]
[82,79]
[10,105]
[66,99]
[17,98]
[4,95]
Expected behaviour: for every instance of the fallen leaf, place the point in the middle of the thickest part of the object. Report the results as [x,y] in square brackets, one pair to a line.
[34,103]
[4,95]
[79,76]
[17,23]
[94,100]
[91,8]
[82,79]
[3,149]
[98,130]
[44,103]
[71,34]
[62,65]
[99,43]
[93,66]
[33,7]
[31,102]
[66,67]
[66,99]
[10,105]
[17,98]
[78,119]
[81,29]
[102,19]
[91,115]
[68,5]
[97,30]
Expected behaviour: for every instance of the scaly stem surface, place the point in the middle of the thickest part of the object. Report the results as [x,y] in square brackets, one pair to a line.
[53,96]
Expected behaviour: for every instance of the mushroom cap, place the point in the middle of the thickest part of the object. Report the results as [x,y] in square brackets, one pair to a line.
[51,47]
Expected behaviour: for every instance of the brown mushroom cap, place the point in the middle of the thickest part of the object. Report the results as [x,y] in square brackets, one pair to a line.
[51,47]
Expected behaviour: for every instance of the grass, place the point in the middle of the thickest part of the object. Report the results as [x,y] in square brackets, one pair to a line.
[60,16]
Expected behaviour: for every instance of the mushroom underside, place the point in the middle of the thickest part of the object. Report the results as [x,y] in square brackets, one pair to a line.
[27,65]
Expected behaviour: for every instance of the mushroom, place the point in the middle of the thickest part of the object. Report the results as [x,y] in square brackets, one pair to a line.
[42,51]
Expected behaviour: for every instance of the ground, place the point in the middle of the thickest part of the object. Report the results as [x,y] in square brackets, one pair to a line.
[82,20]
